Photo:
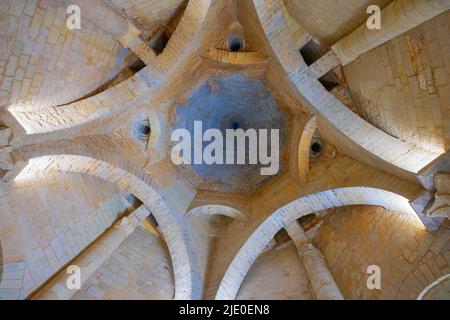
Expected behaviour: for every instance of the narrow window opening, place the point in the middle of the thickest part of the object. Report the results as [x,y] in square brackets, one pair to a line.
[316,148]
[137,66]
[159,42]
[306,218]
[329,81]
[235,44]
[3,173]
[131,198]
[152,221]
[311,52]
[145,130]
[141,129]
[282,236]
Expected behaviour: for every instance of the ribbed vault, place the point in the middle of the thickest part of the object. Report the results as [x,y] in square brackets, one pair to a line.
[103,102]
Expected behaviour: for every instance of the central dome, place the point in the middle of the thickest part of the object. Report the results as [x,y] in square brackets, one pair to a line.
[233,102]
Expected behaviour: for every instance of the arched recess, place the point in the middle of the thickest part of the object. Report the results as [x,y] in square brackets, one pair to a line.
[216,209]
[182,43]
[150,14]
[157,146]
[90,110]
[338,124]
[442,281]
[282,217]
[304,148]
[163,212]
[235,58]
[76,116]
[65,70]
[115,137]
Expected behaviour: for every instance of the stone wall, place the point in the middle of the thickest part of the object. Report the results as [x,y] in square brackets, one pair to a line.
[410,257]
[149,15]
[403,85]
[43,63]
[277,274]
[48,220]
[139,269]
[440,291]
[331,20]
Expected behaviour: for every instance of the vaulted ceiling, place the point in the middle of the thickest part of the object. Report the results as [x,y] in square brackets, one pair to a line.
[86,118]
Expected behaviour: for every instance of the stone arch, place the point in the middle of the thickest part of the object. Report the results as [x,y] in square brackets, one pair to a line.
[180,42]
[86,111]
[54,86]
[235,58]
[157,146]
[150,149]
[149,128]
[161,210]
[304,147]
[282,217]
[76,116]
[216,209]
[338,124]
[14,272]
[423,294]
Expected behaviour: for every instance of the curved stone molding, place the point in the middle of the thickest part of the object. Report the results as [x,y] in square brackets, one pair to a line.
[11,280]
[344,128]
[282,217]
[118,98]
[216,210]
[165,215]
[150,14]
[320,277]
[6,161]
[431,286]
[182,40]
[304,148]
[94,256]
[433,204]
[84,117]
[11,276]
[46,64]
[158,144]
[440,207]
[92,109]
[398,17]
[237,58]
